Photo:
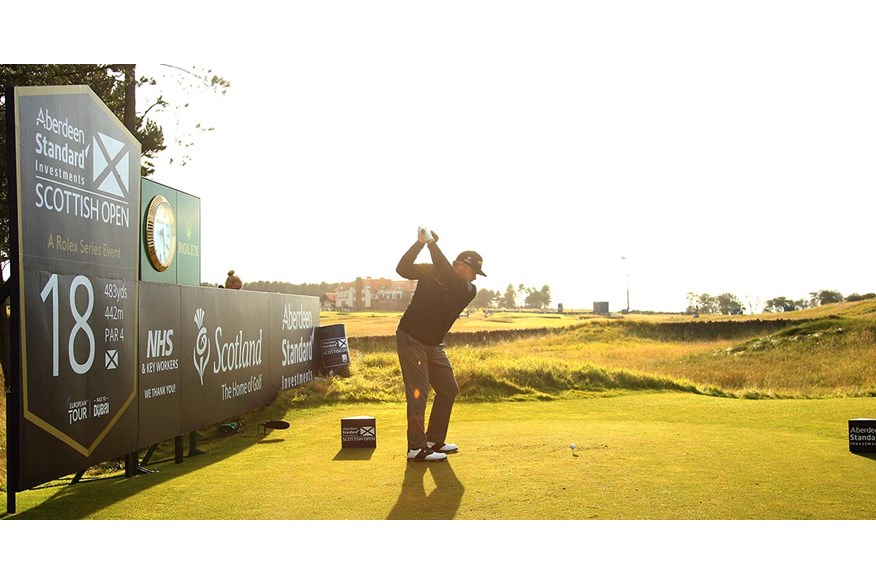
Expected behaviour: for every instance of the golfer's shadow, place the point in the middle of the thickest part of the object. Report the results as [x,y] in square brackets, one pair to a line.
[441,503]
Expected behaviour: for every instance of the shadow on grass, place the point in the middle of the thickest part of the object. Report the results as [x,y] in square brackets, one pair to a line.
[413,501]
[870,455]
[85,498]
[354,454]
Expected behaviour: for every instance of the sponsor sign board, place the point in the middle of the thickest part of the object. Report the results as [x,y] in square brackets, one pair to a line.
[78,192]
[240,348]
[171,243]
[188,239]
[161,353]
[359,432]
[225,334]
[334,351]
[105,370]
[294,325]
[862,435]
[209,354]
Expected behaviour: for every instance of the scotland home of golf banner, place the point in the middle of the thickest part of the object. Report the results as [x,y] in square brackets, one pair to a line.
[78,191]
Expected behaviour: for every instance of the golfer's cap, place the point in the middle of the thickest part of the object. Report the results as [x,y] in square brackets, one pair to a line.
[473,259]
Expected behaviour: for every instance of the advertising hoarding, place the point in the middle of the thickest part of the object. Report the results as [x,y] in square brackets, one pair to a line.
[210,354]
[103,369]
[171,249]
[159,389]
[78,192]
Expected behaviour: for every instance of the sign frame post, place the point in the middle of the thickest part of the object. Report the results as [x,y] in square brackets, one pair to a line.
[13,387]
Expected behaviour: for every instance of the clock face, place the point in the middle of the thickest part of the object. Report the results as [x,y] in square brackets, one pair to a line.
[160,233]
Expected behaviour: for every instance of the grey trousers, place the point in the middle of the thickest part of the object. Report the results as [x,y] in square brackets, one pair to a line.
[424,366]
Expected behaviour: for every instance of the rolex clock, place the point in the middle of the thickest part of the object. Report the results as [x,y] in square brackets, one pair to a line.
[160,233]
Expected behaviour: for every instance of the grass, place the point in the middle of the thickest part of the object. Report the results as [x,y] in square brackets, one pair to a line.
[817,355]
[833,357]
[662,441]
[638,456]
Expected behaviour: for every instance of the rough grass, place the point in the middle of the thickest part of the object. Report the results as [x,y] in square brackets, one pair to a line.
[485,375]
[830,356]
[820,353]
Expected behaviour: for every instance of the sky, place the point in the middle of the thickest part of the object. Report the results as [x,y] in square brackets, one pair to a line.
[655,148]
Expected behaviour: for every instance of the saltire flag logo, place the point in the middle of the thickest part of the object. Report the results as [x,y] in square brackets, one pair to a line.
[112,359]
[110,166]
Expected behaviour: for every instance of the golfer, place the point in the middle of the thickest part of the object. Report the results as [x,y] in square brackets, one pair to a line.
[443,291]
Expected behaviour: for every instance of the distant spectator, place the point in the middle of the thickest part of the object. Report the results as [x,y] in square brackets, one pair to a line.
[233,282]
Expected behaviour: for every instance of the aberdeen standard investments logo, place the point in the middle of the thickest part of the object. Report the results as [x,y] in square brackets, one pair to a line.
[79,170]
[61,141]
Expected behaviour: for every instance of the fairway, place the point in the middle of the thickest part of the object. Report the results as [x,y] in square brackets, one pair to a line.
[638,456]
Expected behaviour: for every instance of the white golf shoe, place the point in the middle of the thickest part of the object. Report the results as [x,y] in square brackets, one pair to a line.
[425,455]
[442,447]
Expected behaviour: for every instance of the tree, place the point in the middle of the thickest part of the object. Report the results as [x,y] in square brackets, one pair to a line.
[701,304]
[692,304]
[485,299]
[538,298]
[823,297]
[191,80]
[546,293]
[725,303]
[782,304]
[729,304]
[509,299]
[855,297]
[306,289]
[533,298]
